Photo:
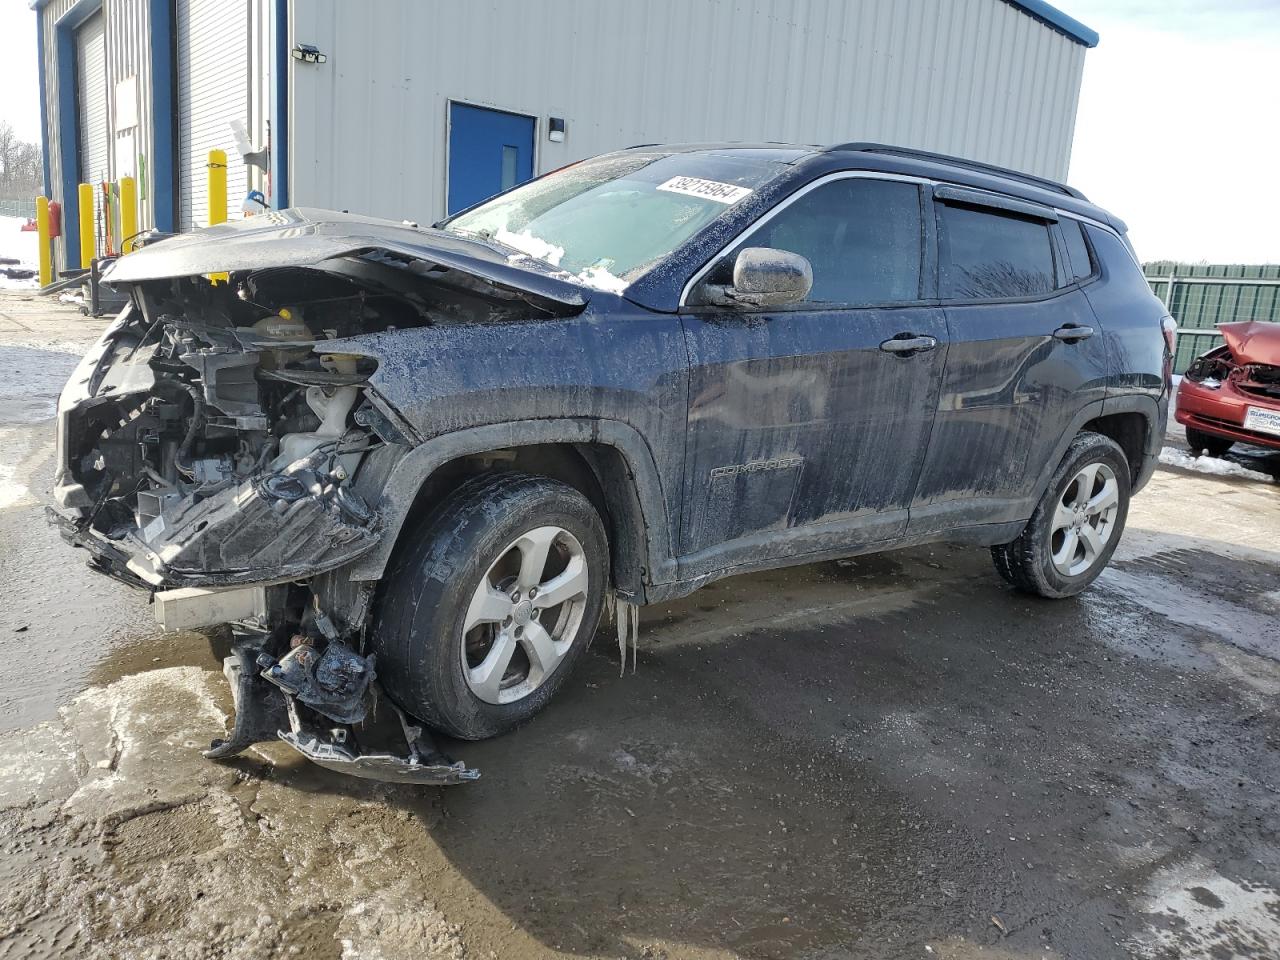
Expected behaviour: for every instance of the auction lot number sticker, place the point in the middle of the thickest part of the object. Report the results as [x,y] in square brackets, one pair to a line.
[706,189]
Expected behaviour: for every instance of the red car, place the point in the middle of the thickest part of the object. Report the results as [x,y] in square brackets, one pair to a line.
[1233,392]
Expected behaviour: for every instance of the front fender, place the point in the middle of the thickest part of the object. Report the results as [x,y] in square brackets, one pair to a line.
[410,472]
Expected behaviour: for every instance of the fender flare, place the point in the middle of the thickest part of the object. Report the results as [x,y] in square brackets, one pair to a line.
[1155,412]
[407,476]
[1127,403]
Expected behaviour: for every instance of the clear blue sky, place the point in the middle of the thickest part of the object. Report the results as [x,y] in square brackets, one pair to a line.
[1177,119]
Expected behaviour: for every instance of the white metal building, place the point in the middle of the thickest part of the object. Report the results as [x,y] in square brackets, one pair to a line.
[409,109]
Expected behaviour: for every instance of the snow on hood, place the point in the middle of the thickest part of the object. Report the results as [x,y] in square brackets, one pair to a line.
[1253,341]
[536,247]
[601,279]
[597,277]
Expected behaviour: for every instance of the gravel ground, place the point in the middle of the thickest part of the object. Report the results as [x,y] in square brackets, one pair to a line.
[893,757]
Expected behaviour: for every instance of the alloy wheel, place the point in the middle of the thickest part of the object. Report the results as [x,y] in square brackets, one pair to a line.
[524,615]
[1084,519]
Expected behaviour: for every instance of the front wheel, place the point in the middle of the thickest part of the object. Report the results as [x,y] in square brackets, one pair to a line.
[1077,524]
[1207,443]
[485,613]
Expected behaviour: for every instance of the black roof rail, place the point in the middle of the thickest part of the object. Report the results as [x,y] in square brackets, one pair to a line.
[975,165]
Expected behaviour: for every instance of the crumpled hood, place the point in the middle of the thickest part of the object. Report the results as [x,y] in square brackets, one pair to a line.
[1253,341]
[303,237]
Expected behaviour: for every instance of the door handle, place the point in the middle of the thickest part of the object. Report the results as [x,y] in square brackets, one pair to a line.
[904,344]
[1072,332]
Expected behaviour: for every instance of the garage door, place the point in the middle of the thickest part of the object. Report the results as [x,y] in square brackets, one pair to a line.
[213,90]
[91,99]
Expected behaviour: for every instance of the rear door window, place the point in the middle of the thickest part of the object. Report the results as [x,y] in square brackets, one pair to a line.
[861,236]
[1080,265]
[986,254]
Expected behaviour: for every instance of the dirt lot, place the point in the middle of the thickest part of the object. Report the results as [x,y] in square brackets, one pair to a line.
[897,757]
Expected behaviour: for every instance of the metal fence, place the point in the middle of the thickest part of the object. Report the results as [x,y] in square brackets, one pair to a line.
[18,208]
[1201,296]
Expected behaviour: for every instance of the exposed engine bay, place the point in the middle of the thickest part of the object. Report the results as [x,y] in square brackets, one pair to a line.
[1221,365]
[1249,359]
[220,438]
[212,447]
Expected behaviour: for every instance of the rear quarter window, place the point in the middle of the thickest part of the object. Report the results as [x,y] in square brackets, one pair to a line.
[989,255]
[1118,258]
[1080,263]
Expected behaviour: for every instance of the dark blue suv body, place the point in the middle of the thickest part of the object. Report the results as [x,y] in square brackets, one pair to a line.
[671,364]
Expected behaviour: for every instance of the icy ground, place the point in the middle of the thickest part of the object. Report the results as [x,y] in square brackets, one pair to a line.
[23,247]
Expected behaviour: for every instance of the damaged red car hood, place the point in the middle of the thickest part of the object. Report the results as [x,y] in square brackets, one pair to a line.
[302,237]
[1253,341]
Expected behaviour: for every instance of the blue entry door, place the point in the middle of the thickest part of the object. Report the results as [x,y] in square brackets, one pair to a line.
[489,151]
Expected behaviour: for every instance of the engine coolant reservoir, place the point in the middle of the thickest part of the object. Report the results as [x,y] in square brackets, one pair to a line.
[333,409]
[285,326]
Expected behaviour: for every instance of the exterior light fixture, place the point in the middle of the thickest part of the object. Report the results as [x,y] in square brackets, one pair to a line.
[308,54]
[555,129]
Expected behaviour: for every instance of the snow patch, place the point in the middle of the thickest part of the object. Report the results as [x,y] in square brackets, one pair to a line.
[1202,914]
[601,279]
[526,242]
[1214,466]
[12,493]
[129,733]
[20,246]
[396,924]
[34,763]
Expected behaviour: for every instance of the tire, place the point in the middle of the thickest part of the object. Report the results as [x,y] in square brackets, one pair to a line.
[490,529]
[1044,559]
[1207,443]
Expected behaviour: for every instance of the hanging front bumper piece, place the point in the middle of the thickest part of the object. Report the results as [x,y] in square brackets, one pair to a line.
[320,697]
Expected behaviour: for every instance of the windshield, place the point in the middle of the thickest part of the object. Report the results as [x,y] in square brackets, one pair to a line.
[605,221]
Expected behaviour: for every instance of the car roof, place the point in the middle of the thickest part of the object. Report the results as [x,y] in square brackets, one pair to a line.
[886,158]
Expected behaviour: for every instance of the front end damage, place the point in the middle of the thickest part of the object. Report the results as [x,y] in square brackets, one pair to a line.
[222,445]
[1233,390]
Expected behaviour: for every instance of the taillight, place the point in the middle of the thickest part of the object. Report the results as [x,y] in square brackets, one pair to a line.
[1170,330]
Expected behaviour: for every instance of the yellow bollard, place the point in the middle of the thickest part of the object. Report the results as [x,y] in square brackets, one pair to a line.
[128,213]
[217,187]
[88,242]
[42,228]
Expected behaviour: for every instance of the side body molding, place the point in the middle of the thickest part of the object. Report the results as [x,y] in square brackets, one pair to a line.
[407,476]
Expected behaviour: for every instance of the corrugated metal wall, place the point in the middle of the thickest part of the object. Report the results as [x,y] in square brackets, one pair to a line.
[213,89]
[977,78]
[127,25]
[224,66]
[129,74]
[91,100]
[1202,306]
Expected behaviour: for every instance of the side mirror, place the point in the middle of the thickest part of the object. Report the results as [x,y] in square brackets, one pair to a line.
[763,277]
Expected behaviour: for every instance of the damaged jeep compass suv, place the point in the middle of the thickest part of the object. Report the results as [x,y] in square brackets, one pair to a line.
[428,458]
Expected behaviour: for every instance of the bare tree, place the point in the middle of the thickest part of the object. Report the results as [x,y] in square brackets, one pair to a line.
[8,139]
[20,165]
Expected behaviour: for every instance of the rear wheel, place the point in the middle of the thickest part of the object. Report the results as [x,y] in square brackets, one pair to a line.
[484,615]
[1077,524]
[1200,442]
